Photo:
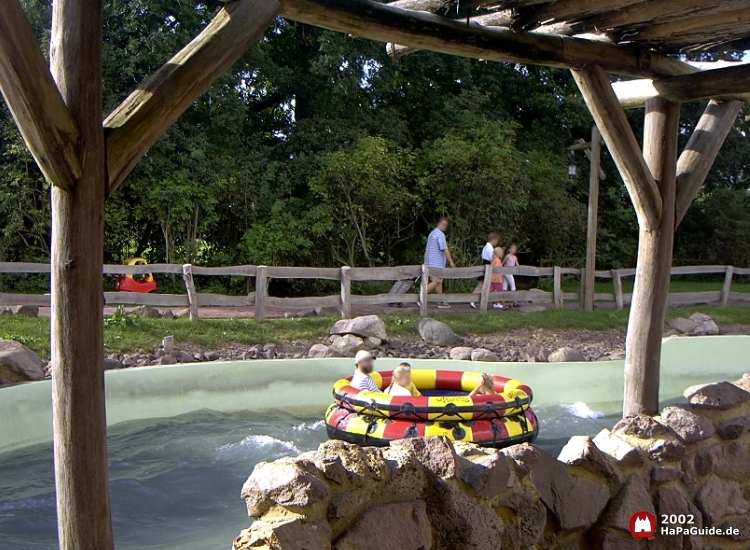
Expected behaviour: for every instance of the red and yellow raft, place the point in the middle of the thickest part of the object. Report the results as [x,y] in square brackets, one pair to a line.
[371,418]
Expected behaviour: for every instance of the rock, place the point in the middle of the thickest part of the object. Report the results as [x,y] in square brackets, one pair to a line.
[536,354]
[741,526]
[373,343]
[6,311]
[700,318]
[327,311]
[293,483]
[623,453]
[199,357]
[607,540]
[147,312]
[436,453]
[719,498]
[167,344]
[182,313]
[18,363]
[689,426]
[631,498]
[27,311]
[719,395]
[269,351]
[641,426]
[566,355]
[743,382]
[665,474]
[285,534]
[487,476]
[212,355]
[434,332]
[184,357]
[672,500]
[484,355]
[575,503]
[399,526]
[364,327]
[683,326]
[617,356]
[709,328]
[348,345]
[319,351]
[526,525]
[168,314]
[733,428]
[166,360]
[461,353]
[113,364]
[666,450]
[580,451]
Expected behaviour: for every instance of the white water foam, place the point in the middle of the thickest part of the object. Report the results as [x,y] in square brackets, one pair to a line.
[582,410]
[309,427]
[263,442]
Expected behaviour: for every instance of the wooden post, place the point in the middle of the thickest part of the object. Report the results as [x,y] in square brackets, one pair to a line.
[423,290]
[261,292]
[589,283]
[727,288]
[581,288]
[187,276]
[617,282]
[653,271]
[557,294]
[484,300]
[346,292]
[77,339]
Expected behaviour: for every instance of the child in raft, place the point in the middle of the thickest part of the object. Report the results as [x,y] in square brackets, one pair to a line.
[496,283]
[485,387]
[401,384]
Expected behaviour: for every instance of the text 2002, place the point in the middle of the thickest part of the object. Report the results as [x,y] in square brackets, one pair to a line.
[675,519]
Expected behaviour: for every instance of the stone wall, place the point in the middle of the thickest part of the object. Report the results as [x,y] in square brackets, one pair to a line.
[422,494]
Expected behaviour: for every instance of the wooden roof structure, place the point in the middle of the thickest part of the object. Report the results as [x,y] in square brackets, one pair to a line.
[87,156]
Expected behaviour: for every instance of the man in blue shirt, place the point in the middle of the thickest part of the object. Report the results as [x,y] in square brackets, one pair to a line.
[436,254]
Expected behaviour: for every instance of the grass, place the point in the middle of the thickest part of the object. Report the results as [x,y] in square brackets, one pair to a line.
[573,285]
[219,333]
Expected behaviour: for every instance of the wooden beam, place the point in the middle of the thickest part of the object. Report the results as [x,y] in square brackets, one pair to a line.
[384,23]
[589,285]
[77,324]
[134,126]
[618,135]
[701,151]
[570,10]
[672,29]
[653,270]
[34,100]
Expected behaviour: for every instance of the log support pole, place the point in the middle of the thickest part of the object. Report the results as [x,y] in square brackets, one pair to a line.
[653,271]
[484,300]
[589,284]
[187,276]
[346,292]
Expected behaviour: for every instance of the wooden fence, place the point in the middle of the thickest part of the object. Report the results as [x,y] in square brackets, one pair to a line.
[347,303]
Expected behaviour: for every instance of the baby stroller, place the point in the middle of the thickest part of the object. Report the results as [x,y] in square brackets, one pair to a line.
[402,287]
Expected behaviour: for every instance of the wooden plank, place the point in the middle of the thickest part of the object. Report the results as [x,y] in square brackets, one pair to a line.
[187,276]
[557,294]
[175,269]
[699,270]
[535,297]
[701,151]
[385,273]
[570,271]
[570,10]
[306,302]
[592,221]
[424,283]
[11,299]
[648,310]
[329,273]
[261,292]
[694,298]
[207,299]
[677,28]
[570,296]
[385,23]
[32,96]
[139,121]
[23,267]
[742,271]
[602,274]
[457,272]
[379,299]
[726,290]
[235,271]
[346,292]
[617,282]
[611,120]
[740,296]
[484,299]
[141,299]
[604,297]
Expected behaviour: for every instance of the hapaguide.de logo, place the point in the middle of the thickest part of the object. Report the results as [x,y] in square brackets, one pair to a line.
[642,525]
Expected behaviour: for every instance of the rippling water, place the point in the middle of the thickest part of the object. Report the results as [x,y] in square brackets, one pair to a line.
[175,483]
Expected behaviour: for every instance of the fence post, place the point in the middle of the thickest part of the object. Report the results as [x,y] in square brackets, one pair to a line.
[617,282]
[423,290]
[187,276]
[346,292]
[582,289]
[261,291]
[557,294]
[727,288]
[485,297]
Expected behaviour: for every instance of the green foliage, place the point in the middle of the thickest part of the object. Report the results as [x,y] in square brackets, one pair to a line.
[122,318]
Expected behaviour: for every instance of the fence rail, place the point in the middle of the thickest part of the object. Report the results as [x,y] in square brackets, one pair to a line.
[346,302]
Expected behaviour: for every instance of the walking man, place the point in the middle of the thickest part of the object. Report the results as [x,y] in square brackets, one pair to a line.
[436,254]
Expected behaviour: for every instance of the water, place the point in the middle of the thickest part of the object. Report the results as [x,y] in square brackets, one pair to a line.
[175,483]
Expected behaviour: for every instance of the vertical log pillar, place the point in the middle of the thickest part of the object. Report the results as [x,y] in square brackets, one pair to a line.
[423,290]
[653,271]
[261,292]
[187,276]
[484,300]
[77,349]
[557,293]
[346,292]
[589,281]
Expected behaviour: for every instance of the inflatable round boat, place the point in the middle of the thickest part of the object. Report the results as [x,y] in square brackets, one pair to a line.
[445,408]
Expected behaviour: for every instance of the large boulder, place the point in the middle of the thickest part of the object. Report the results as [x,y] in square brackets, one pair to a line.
[397,526]
[631,498]
[18,363]
[27,311]
[683,326]
[580,451]
[319,351]
[284,534]
[435,333]
[147,312]
[719,395]
[461,353]
[566,355]
[365,326]
[347,345]
[719,498]
[480,354]
[689,426]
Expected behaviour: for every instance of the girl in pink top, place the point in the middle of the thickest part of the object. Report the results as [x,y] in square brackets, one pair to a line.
[511,260]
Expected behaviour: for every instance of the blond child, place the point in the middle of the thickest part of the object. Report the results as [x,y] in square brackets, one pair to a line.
[486,386]
[511,260]
[400,382]
[496,283]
